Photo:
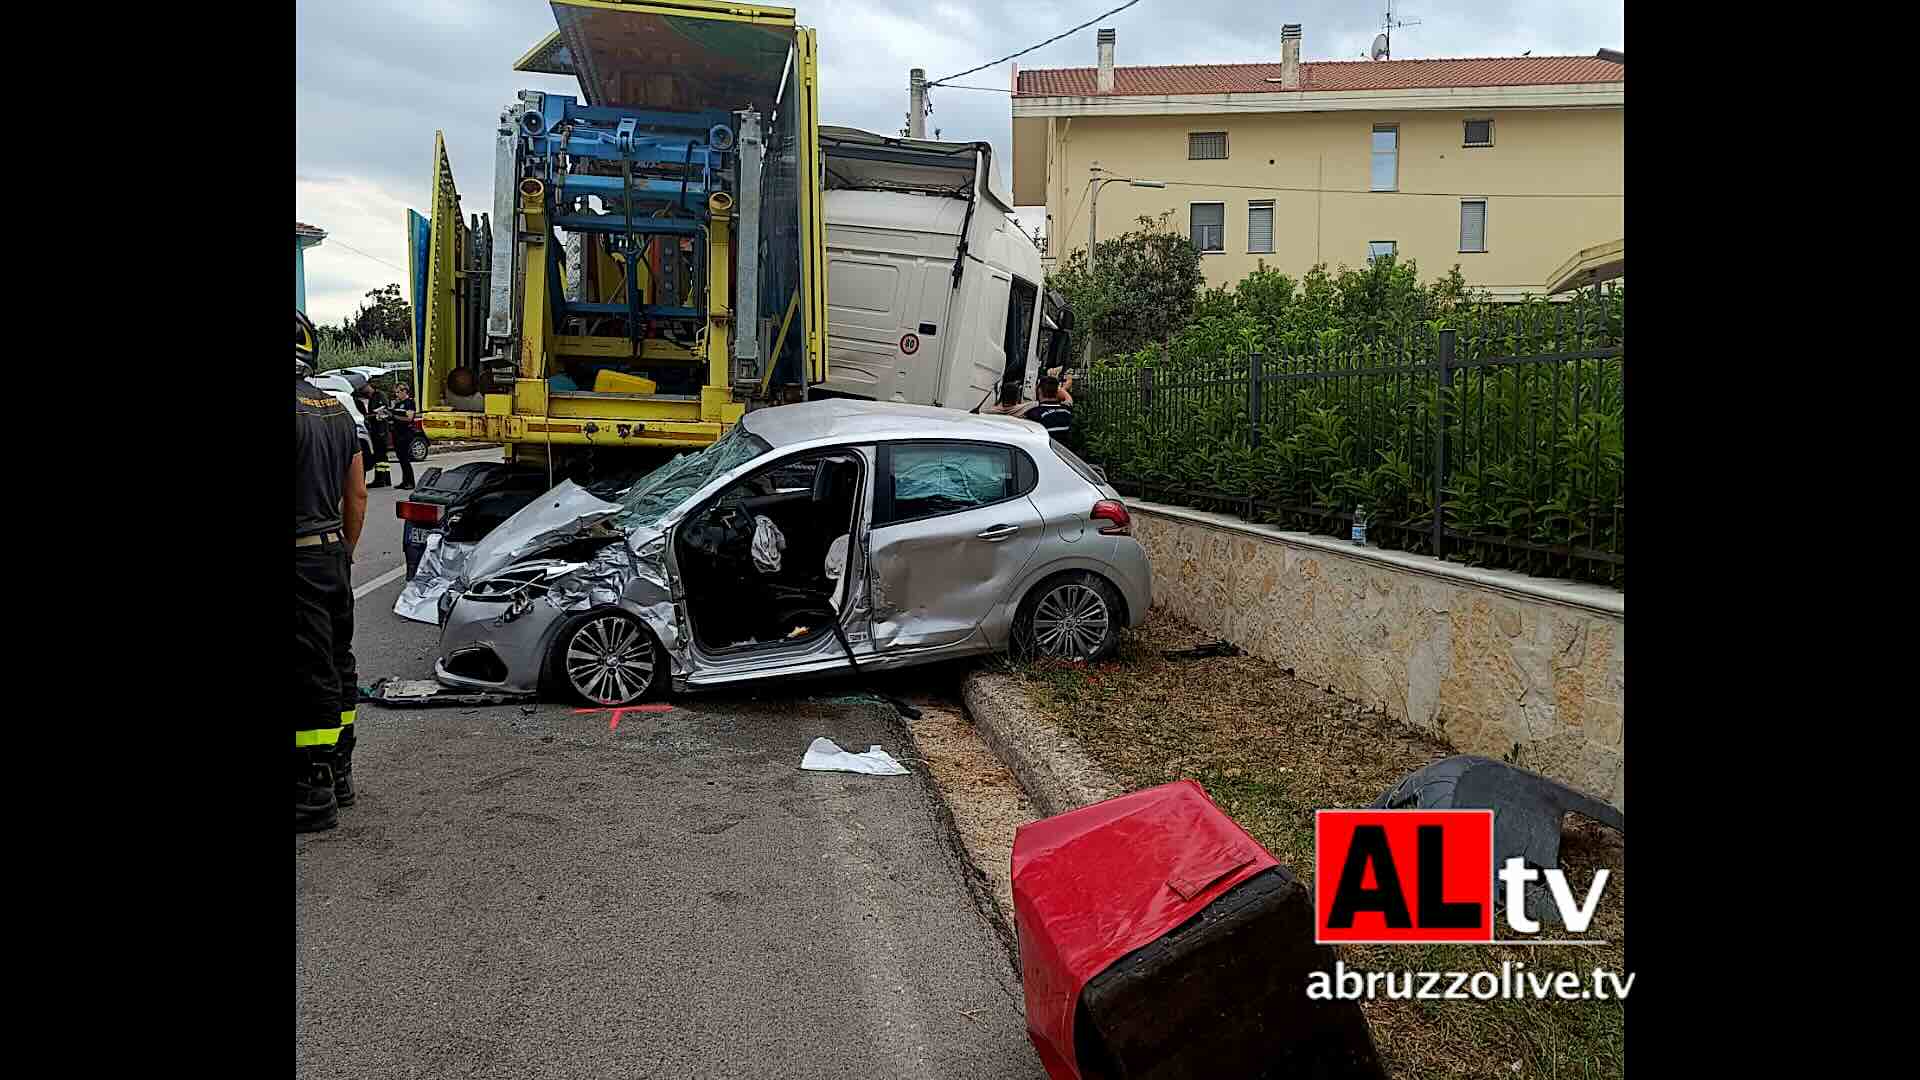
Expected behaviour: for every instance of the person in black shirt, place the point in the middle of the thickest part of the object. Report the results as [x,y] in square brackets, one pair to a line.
[1054,410]
[373,405]
[400,427]
[329,508]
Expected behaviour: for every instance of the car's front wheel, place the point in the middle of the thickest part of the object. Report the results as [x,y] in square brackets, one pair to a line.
[417,448]
[1070,616]
[608,658]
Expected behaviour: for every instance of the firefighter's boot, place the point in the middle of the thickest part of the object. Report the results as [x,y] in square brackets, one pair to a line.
[343,762]
[314,805]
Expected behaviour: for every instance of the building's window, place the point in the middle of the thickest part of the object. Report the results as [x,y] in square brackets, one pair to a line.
[1260,227]
[1206,146]
[1479,133]
[1377,248]
[1210,226]
[1473,224]
[1386,157]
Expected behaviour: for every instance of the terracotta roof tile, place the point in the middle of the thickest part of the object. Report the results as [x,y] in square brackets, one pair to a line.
[303,229]
[1325,75]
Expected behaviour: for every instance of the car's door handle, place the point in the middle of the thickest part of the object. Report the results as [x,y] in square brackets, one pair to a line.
[998,533]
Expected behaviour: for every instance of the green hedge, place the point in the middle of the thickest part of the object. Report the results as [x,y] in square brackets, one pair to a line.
[1535,474]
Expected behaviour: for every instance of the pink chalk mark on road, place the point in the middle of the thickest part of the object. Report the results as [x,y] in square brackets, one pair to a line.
[613,723]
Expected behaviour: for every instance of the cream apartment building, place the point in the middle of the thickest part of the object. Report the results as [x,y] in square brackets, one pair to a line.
[1505,166]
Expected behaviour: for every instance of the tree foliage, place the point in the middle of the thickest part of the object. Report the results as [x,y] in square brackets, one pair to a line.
[385,315]
[1141,288]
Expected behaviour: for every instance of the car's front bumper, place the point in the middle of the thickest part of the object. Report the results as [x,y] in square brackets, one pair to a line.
[482,648]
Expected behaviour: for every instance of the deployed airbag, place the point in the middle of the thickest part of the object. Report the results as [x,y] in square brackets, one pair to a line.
[958,479]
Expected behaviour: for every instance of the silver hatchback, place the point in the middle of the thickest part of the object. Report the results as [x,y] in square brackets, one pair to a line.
[810,539]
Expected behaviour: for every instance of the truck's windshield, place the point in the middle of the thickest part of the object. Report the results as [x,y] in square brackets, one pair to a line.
[675,482]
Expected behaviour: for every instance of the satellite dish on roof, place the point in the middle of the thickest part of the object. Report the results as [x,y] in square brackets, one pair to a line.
[1379,46]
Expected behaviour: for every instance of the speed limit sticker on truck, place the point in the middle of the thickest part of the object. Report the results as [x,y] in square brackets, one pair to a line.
[909,344]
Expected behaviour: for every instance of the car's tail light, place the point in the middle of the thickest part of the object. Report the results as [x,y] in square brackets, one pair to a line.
[423,513]
[1114,512]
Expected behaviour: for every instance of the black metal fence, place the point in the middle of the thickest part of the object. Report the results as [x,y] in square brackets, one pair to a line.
[1499,440]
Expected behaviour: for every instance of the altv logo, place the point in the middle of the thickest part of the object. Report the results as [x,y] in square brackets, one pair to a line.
[1426,876]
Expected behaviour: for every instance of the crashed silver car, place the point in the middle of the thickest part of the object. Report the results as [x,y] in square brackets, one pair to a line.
[809,539]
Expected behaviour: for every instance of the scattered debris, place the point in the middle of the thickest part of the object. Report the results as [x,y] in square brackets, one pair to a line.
[1527,808]
[824,755]
[870,697]
[425,693]
[1203,652]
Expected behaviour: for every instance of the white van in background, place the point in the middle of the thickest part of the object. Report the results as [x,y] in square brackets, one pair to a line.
[933,291]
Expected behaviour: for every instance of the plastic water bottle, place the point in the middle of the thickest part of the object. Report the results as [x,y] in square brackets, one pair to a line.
[1360,525]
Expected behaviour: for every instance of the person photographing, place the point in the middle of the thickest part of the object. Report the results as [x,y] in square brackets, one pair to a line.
[1054,409]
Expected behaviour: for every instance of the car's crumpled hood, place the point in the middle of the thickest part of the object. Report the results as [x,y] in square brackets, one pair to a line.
[565,513]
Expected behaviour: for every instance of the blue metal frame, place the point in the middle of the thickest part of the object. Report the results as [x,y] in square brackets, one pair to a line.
[698,143]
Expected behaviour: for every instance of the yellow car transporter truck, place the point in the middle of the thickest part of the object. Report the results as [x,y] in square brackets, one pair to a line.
[654,264]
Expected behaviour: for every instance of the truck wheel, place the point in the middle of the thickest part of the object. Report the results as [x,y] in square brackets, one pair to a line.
[608,658]
[417,448]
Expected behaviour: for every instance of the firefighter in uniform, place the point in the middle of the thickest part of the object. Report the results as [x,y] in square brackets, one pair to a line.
[329,507]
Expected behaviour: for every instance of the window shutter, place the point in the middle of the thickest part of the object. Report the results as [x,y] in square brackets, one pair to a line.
[1206,146]
[1260,227]
[1473,225]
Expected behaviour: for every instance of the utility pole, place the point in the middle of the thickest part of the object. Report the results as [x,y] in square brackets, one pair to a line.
[1093,222]
[917,103]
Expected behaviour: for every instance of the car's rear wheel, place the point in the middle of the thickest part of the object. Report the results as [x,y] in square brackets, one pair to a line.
[608,658]
[1070,616]
[417,448]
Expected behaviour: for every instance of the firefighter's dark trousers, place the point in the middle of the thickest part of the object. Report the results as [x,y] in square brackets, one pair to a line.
[326,689]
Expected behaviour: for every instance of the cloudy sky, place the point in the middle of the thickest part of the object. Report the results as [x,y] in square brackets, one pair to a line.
[374,80]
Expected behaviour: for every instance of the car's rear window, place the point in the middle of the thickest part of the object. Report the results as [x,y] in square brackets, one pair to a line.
[1073,461]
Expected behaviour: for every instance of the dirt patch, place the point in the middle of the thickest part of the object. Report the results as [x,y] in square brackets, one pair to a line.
[1271,749]
[983,796]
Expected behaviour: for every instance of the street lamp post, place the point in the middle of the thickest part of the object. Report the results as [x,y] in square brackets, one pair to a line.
[1093,222]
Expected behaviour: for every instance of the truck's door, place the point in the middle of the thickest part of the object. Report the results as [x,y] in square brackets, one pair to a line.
[889,284]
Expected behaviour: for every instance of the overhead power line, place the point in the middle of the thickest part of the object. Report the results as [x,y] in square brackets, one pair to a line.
[1030,48]
[364,255]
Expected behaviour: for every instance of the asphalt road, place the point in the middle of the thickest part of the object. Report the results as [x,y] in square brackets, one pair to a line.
[530,892]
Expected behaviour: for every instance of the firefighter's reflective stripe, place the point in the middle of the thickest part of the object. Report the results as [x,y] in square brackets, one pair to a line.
[346,717]
[317,737]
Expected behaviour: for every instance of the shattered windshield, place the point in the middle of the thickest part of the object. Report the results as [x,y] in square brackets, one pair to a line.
[673,483]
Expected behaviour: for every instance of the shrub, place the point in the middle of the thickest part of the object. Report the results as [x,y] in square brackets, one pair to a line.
[1351,407]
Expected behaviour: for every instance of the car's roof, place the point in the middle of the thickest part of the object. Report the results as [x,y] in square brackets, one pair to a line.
[846,420]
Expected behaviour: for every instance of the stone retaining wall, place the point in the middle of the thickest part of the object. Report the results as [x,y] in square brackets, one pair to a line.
[1523,669]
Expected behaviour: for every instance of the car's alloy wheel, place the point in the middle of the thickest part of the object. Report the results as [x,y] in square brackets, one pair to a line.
[1072,621]
[609,659]
[417,449]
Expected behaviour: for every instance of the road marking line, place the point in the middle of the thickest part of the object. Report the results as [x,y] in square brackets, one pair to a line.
[379,581]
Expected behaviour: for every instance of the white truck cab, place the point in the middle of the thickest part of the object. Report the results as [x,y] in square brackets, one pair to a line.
[933,292]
